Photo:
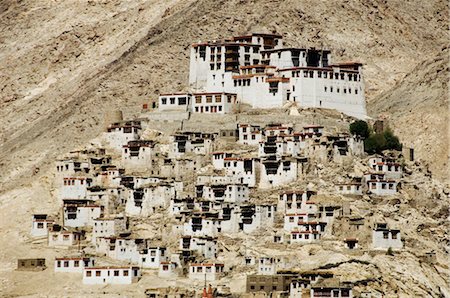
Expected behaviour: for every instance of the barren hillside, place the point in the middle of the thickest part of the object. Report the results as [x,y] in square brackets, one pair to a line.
[417,108]
[63,64]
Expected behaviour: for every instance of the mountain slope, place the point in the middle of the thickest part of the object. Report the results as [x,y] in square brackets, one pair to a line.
[64,64]
[417,108]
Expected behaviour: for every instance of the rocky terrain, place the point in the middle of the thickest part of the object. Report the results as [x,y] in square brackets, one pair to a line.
[65,63]
[420,210]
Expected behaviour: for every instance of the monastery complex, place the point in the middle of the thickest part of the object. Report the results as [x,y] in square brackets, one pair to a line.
[209,202]
[258,71]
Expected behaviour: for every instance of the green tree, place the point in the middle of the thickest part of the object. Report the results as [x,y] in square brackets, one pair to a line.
[360,128]
[375,143]
[392,141]
[378,142]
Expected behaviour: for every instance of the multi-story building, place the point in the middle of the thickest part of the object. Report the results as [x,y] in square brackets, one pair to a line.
[263,74]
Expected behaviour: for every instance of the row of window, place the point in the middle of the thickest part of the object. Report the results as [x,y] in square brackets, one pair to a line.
[219,49]
[124,130]
[211,98]
[373,185]
[305,236]
[299,205]
[338,90]
[181,100]
[246,136]
[62,168]
[65,237]
[386,235]
[115,273]
[326,75]
[66,264]
[348,187]
[292,219]
[72,182]
[245,82]
[389,168]
[212,109]
[208,269]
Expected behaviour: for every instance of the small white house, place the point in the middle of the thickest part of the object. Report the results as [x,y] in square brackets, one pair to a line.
[205,271]
[125,249]
[249,134]
[134,250]
[228,193]
[307,236]
[175,102]
[137,155]
[382,187]
[40,225]
[111,275]
[218,159]
[109,226]
[273,130]
[316,130]
[205,246]
[385,238]
[269,265]
[211,103]
[242,168]
[71,167]
[146,200]
[254,217]
[296,202]
[349,188]
[191,142]
[199,226]
[292,220]
[74,187]
[281,146]
[73,264]
[278,172]
[81,214]
[58,237]
[388,166]
[120,133]
[152,257]
[109,177]
[107,246]
[168,270]
[298,287]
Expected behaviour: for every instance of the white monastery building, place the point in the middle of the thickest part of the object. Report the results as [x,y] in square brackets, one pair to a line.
[263,74]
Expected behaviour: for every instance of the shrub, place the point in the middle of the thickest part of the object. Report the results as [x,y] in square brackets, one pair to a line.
[392,141]
[360,128]
[378,142]
[375,144]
